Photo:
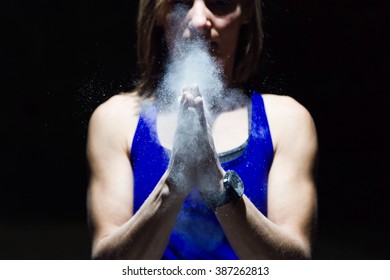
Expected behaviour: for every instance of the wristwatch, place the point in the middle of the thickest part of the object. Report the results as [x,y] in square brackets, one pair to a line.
[233,191]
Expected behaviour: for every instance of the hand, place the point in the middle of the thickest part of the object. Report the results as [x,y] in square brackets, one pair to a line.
[194,161]
[182,166]
[209,173]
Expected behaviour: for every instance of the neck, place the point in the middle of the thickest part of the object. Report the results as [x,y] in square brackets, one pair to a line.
[229,100]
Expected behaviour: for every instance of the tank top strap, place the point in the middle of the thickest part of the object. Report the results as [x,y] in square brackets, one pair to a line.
[146,132]
[259,126]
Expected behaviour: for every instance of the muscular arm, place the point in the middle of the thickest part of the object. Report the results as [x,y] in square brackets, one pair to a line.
[116,232]
[286,232]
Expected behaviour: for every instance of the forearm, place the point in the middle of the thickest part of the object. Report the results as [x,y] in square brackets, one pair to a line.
[146,234]
[253,236]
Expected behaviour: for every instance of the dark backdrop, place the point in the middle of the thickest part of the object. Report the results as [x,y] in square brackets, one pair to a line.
[60,59]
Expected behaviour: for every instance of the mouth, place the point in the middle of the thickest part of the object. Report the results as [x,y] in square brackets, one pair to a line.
[205,43]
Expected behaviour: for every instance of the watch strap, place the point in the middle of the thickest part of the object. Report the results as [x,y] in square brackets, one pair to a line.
[233,191]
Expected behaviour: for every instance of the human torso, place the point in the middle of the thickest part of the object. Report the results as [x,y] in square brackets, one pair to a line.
[229,129]
[197,233]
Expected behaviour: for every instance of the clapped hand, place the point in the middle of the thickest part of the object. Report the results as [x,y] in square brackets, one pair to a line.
[194,161]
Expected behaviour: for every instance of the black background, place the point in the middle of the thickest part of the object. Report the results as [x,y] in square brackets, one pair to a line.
[60,59]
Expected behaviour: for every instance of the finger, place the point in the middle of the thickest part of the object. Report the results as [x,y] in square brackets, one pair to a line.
[187,113]
[183,103]
[182,112]
[195,91]
[199,106]
[189,95]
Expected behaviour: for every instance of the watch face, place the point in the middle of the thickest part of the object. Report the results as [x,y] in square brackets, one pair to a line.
[235,185]
[234,189]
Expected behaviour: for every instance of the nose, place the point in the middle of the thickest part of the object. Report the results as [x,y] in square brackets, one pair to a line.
[199,20]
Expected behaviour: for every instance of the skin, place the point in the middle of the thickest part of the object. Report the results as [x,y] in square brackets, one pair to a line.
[119,233]
[216,25]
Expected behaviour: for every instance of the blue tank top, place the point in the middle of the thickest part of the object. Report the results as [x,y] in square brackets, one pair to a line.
[197,233]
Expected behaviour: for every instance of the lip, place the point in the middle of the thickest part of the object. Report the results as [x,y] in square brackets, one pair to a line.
[205,40]
[211,46]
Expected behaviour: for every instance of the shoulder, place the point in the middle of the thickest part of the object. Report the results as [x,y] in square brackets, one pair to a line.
[285,107]
[115,108]
[116,118]
[289,120]
[120,109]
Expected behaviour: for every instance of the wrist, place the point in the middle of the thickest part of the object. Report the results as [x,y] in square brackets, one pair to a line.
[231,189]
[176,184]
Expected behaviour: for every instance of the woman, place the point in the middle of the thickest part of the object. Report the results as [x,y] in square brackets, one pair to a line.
[249,192]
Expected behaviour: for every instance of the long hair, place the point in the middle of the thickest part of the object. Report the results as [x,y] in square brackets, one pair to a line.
[152,49]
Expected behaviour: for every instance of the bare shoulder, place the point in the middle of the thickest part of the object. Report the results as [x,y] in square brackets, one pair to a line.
[116,118]
[288,119]
[285,107]
[116,108]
